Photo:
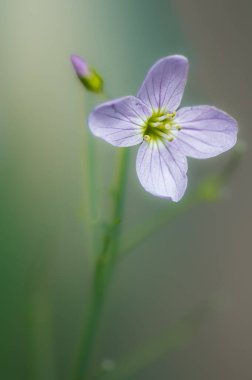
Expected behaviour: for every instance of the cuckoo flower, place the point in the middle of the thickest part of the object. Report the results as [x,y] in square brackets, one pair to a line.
[166,135]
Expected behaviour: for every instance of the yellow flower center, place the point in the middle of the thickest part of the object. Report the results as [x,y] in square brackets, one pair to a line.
[161,125]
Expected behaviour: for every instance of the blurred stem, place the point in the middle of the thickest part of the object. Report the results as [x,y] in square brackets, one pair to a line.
[92,169]
[140,234]
[152,350]
[92,175]
[91,155]
[104,266]
[209,190]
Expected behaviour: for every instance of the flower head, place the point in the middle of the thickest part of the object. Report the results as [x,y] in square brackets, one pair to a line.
[87,75]
[166,135]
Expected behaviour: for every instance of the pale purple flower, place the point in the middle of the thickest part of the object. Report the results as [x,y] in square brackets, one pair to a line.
[166,136]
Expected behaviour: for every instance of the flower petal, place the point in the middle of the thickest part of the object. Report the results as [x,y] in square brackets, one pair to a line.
[206,131]
[164,84]
[161,169]
[120,121]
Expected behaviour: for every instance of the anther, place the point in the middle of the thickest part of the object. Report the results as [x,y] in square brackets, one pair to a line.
[146,138]
[173,114]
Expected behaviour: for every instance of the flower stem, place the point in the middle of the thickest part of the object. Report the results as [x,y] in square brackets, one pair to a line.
[208,190]
[104,267]
[171,338]
[92,202]
[140,234]
[93,194]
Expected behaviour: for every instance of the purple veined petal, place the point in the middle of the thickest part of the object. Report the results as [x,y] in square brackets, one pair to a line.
[164,84]
[206,131]
[120,122]
[162,169]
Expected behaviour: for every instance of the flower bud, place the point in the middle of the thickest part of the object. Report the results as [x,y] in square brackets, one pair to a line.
[87,75]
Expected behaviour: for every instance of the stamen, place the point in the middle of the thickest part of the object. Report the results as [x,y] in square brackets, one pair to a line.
[166,136]
[156,124]
[146,138]
[172,115]
[161,118]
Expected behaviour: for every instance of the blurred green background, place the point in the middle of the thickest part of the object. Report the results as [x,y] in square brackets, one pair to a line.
[45,268]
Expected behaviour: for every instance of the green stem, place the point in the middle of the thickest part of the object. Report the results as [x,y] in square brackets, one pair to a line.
[208,190]
[139,235]
[92,176]
[104,267]
[120,188]
[171,338]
